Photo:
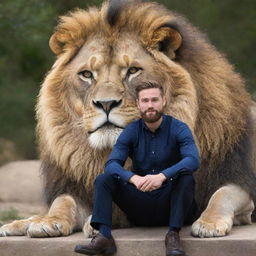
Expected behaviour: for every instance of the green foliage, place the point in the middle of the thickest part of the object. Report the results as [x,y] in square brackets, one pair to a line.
[10,214]
[230,26]
[26,26]
[24,58]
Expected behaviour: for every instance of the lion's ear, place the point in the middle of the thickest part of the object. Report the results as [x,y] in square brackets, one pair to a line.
[167,40]
[57,43]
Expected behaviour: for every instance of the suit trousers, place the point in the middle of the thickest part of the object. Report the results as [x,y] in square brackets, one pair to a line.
[172,204]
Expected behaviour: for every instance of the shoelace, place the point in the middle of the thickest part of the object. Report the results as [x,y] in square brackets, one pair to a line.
[93,238]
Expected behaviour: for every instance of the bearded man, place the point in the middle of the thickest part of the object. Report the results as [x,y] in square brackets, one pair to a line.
[164,156]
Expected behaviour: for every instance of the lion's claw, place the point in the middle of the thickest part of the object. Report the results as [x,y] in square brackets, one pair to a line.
[48,228]
[16,228]
[202,228]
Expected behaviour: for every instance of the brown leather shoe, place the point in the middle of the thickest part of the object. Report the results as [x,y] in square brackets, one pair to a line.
[98,245]
[172,243]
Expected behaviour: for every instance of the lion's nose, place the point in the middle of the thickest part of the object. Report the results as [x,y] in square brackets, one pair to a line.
[107,105]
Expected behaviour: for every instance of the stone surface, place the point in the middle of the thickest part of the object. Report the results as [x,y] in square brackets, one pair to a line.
[21,189]
[137,242]
[20,182]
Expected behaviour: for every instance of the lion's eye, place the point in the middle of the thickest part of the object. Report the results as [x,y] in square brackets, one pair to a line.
[86,74]
[133,70]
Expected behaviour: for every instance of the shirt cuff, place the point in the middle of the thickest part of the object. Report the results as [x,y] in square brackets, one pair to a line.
[168,175]
[126,175]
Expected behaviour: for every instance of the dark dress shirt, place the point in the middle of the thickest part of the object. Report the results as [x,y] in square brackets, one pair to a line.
[171,149]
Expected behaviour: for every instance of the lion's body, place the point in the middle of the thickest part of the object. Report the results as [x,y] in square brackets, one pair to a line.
[96,49]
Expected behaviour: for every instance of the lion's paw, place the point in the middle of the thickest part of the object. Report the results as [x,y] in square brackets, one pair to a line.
[15,228]
[205,228]
[88,229]
[49,227]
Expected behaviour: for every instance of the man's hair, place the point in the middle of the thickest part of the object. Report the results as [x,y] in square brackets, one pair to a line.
[148,85]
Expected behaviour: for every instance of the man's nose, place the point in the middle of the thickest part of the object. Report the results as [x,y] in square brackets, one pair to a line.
[150,104]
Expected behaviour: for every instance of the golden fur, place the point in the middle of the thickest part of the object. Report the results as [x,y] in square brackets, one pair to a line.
[201,87]
[217,92]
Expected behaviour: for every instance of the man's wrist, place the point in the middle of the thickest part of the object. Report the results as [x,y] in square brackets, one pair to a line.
[163,177]
[132,179]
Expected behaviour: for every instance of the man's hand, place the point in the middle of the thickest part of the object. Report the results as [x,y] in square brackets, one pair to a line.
[137,181]
[148,182]
[152,182]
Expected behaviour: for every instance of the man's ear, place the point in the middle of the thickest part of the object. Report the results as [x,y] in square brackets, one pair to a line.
[137,102]
[164,101]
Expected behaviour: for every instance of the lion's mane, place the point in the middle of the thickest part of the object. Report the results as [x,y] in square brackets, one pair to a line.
[205,91]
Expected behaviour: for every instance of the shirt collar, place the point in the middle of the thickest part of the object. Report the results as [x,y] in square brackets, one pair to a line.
[162,125]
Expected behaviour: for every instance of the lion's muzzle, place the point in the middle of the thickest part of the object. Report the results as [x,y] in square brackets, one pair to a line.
[108,105]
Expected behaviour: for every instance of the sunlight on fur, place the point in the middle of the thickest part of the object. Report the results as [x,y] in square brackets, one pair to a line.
[104,139]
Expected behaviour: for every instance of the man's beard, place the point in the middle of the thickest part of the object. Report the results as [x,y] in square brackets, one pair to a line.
[154,117]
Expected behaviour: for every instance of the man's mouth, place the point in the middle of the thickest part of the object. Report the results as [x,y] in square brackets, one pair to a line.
[150,111]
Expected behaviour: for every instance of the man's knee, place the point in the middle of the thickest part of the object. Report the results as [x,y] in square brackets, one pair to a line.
[186,181]
[104,179]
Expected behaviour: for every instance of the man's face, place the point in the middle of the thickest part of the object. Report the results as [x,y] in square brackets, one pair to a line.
[151,104]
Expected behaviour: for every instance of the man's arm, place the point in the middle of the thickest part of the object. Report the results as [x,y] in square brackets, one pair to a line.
[120,153]
[190,156]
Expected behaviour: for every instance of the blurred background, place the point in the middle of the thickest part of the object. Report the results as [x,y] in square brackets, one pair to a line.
[26,26]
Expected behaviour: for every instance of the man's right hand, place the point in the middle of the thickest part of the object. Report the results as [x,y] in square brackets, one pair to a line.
[148,182]
[137,181]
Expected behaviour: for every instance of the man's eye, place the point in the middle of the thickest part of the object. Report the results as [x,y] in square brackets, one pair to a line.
[86,74]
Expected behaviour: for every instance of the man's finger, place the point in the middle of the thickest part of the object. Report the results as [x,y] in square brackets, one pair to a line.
[147,186]
[141,183]
[150,188]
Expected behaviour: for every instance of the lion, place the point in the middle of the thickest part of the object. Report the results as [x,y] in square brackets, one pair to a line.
[88,98]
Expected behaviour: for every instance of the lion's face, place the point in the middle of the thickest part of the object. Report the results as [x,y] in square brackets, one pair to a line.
[103,79]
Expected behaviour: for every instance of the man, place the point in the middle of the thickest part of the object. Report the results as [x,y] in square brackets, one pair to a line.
[160,188]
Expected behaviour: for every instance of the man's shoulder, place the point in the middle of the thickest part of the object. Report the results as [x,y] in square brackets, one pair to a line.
[132,126]
[130,131]
[134,123]
[176,123]
[172,119]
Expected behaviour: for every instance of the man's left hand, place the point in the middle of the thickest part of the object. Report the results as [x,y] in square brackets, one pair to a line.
[152,182]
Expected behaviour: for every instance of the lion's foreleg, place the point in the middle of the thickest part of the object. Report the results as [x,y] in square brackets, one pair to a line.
[61,219]
[16,228]
[64,216]
[228,205]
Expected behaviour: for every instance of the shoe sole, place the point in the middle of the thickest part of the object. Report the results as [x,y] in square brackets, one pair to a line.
[176,253]
[104,252]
